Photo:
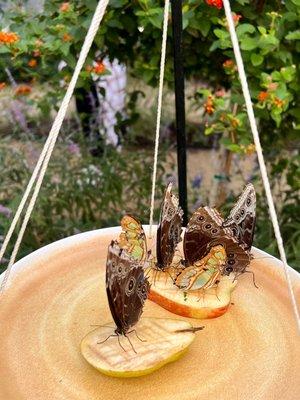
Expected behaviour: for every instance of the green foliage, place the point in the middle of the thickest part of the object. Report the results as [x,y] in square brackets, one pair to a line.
[79,192]
[131,32]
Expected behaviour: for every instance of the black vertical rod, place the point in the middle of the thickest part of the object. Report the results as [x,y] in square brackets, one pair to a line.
[176,6]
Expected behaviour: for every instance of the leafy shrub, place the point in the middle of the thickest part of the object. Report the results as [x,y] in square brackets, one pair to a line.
[79,192]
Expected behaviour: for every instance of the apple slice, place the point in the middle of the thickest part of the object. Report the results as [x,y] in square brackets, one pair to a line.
[154,343]
[208,303]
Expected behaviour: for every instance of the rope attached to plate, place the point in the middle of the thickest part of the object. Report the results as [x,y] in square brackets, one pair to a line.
[159,107]
[261,161]
[42,164]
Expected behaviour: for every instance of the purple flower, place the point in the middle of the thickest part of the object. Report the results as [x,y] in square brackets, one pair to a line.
[73,148]
[5,211]
[196,182]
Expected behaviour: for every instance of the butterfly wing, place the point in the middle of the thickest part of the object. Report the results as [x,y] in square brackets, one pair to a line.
[126,287]
[169,229]
[241,220]
[205,230]
[133,238]
[204,273]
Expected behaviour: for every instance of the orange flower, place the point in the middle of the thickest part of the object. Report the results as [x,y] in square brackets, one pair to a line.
[23,90]
[229,64]
[66,37]
[209,105]
[32,63]
[9,37]
[65,7]
[278,102]
[262,96]
[215,3]
[2,85]
[99,68]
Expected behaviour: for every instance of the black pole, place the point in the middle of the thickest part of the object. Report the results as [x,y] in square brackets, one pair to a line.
[180,105]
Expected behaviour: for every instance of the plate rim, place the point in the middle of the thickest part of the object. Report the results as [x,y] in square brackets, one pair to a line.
[88,235]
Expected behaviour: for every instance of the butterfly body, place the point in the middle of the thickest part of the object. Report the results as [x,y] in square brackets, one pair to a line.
[126,286]
[203,273]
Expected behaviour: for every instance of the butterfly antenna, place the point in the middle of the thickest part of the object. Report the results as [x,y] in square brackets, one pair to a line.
[130,343]
[103,341]
[100,326]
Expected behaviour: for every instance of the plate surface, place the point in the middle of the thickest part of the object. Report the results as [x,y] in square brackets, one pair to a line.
[56,293]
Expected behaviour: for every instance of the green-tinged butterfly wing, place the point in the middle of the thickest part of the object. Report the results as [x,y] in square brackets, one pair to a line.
[133,238]
[204,273]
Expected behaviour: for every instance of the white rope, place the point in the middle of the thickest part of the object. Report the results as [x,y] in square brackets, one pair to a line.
[159,107]
[261,161]
[44,158]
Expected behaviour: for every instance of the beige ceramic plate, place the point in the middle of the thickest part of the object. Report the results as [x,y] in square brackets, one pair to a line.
[57,293]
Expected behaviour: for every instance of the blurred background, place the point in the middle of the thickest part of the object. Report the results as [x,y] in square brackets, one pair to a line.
[102,163]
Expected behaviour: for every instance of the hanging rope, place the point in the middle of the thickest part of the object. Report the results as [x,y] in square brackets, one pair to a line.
[261,161]
[41,166]
[159,106]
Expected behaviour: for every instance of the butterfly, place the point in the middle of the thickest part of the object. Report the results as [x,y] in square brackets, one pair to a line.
[133,238]
[207,228]
[203,273]
[169,229]
[241,219]
[127,288]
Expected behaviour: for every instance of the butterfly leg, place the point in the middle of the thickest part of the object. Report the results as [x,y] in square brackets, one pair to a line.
[120,342]
[216,289]
[202,291]
[134,330]
[253,277]
[130,343]
[103,341]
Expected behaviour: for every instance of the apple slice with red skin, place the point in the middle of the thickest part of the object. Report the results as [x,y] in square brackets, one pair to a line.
[207,303]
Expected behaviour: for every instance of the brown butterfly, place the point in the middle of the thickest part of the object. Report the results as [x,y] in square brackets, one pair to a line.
[169,229]
[127,288]
[241,220]
[207,228]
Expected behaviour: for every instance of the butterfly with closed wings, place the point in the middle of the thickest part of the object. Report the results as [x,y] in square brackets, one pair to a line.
[206,232]
[127,289]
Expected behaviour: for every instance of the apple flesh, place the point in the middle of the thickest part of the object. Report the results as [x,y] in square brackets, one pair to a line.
[207,303]
[154,343]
